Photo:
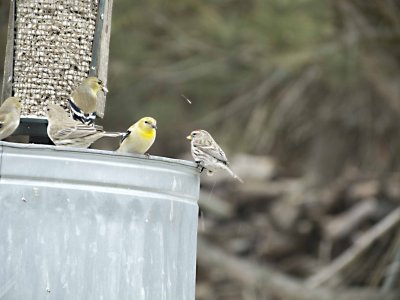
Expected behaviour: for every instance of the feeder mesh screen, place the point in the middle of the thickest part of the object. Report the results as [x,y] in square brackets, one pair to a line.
[53,50]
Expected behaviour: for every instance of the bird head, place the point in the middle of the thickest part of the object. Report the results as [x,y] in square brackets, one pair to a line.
[197,135]
[147,124]
[13,102]
[95,84]
[12,105]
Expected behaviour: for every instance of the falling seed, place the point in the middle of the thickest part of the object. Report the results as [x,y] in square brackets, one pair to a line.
[184,97]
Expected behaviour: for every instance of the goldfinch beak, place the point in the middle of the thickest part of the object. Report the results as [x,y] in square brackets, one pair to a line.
[154,126]
[189,137]
[104,89]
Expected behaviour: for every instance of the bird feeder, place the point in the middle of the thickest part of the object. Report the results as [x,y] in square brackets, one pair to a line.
[90,224]
[52,45]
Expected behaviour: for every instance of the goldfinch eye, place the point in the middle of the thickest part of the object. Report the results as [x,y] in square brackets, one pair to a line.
[146,122]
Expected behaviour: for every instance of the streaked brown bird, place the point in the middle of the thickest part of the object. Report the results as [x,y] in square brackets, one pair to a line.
[208,154]
[65,131]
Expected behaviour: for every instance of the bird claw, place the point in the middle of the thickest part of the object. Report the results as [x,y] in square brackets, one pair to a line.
[200,167]
[147,154]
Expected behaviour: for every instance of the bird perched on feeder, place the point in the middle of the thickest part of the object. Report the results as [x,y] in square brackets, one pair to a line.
[83,100]
[10,112]
[208,154]
[139,137]
[65,131]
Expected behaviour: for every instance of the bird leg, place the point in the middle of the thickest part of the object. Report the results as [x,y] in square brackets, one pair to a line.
[200,166]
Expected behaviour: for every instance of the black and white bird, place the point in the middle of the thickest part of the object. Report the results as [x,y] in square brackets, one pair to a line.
[83,100]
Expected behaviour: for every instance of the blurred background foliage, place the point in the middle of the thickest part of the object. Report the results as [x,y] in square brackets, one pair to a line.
[227,57]
[302,81]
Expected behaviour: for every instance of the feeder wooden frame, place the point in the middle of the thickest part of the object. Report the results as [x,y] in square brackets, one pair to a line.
[36,126]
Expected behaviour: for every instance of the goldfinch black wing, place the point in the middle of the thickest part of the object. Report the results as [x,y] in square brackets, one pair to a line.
[125,135]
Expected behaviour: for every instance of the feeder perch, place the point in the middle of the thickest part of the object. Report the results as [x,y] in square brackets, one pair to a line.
[52,45]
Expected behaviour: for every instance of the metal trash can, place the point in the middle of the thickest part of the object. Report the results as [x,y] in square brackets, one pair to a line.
[92,225]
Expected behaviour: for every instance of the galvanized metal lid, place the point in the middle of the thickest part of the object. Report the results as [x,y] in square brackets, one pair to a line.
[100,170]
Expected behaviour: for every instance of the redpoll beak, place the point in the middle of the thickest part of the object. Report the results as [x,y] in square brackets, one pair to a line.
[189,137]
[104,89]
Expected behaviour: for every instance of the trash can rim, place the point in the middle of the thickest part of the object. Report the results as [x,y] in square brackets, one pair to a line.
[98,152]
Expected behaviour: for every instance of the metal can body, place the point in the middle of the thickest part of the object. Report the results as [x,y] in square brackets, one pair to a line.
[87,224]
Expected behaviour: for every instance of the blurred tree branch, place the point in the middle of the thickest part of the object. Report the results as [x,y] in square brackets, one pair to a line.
[276,283]
[360,246]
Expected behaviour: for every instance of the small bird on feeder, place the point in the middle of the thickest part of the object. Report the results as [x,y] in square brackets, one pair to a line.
[208,154]
[139,137]
[83,100]
[10,112]
[65,131]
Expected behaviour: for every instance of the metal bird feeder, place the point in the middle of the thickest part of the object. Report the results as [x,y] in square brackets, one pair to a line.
[90,224]
[52,45]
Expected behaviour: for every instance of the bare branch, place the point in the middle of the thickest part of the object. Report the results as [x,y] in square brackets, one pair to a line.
[351,254]
[274,282]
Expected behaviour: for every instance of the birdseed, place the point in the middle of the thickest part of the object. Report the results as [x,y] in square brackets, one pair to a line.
[53,50]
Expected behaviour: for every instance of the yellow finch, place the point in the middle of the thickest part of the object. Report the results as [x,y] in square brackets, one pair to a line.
[83,99]
[65,131]
[10,112]
[139,137]
[208,154]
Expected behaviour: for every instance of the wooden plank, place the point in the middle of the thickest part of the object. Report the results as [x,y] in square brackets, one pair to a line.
[102,52]
[93,70]
[9,58]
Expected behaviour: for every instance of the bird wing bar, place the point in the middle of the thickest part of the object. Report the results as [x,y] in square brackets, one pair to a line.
[88,129]
[76,131]
[78,114]
[125,135]
[76,110]
[215,152]
[63,133]
[97,127]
